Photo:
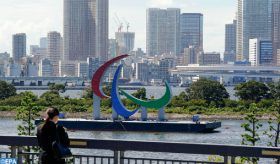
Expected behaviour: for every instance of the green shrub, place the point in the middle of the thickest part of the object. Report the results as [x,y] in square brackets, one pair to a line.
[74,108]
[201,103]
[7,108]
[177,110]
[265,103]
[11,101]
[231,103]
[197,109]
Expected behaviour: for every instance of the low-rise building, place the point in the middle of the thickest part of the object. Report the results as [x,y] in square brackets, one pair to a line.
[67,68]
[260,52]
[210,58]
[82,69]
[45,68]
[14,69]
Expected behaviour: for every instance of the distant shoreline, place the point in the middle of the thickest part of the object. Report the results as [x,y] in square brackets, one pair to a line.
[152,116]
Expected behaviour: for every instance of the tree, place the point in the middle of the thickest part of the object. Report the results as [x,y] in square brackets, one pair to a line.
[208,90]
[87,93]
[27,113]
[6,90]
[57,88]
[251,127]
[140,94]
[275,90]
[273,131]
[50,98]
[252,91]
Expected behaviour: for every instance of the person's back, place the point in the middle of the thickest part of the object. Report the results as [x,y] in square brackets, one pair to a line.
[47,134]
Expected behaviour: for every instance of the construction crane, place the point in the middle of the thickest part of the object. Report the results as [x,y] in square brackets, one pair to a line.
[127,24]
[118,22]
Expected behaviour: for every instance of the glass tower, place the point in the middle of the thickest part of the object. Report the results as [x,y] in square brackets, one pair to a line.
[253,21]
[191,31]
[85,29]
[163,30]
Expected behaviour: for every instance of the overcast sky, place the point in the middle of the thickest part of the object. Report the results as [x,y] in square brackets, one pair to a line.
[37,17]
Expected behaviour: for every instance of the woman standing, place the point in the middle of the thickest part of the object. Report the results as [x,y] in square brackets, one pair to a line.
[47,134]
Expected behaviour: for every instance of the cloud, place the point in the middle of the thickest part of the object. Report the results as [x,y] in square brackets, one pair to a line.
[34,19]
[160,3]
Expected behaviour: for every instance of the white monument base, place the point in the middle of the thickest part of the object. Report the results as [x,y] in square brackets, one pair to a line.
[115,116]
[161,115]
[144,114]
[96,107]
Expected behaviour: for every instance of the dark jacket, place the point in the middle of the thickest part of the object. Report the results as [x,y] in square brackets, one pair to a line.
[46,134]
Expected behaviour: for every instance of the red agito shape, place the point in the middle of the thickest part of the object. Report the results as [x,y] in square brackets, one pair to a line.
[97,77]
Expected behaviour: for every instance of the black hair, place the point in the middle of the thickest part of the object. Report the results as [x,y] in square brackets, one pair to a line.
[51,113]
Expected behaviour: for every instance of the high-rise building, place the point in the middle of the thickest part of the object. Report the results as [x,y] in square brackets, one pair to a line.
[253,21]
[55,50]
[43,42]
[127,71]
[93,65]
[276,31]
[165,65]
[163,31]
[266,53]
[254,52]
[139,53]
[230,42]
[191,30]
[38,53]
[142,72]
[79,29]
[261,52]
[4,61]
[33,49]
[125,41]
[154,73]
[102,29]
[19,47]
[278,57]
[113,48]
[85,29]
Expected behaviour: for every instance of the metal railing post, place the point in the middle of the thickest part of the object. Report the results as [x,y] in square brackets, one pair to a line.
[13,152]
[20,159]
[233,160]
[225,159]
[121,157]
[116,157]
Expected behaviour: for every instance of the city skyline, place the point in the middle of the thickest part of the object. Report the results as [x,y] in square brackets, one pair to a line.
[49,17]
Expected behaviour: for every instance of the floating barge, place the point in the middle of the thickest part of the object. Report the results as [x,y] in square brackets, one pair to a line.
[138,126]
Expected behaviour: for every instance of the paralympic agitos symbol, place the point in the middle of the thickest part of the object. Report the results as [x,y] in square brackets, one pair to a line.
[117,105]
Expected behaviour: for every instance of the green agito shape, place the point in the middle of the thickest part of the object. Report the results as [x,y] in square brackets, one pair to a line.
[155,104]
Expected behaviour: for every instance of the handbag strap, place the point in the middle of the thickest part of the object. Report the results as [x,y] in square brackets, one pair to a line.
[57,136]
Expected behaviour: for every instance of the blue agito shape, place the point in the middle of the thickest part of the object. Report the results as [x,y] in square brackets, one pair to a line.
[116,101]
